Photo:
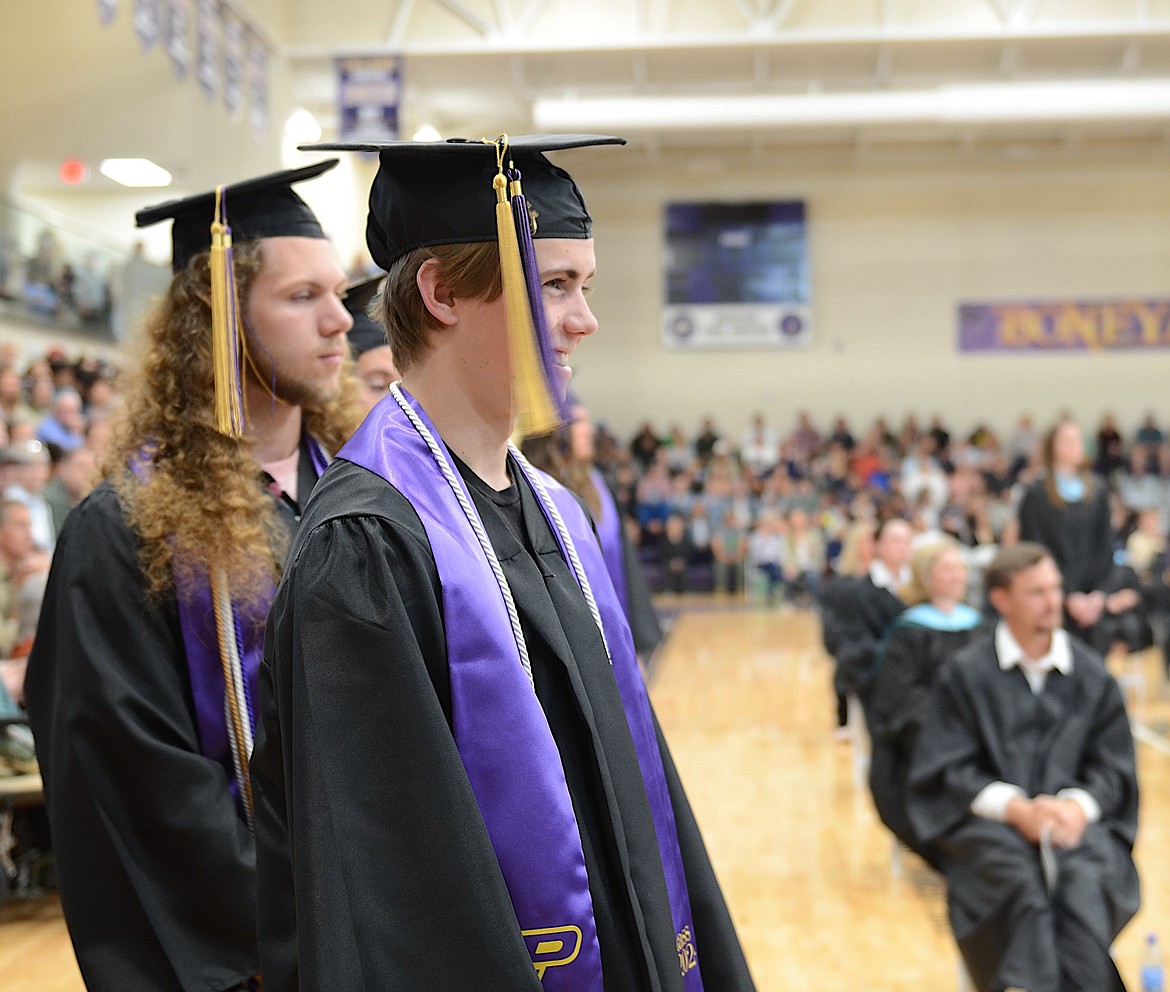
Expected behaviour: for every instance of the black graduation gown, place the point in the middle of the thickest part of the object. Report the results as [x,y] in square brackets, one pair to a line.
[155,866]
[375,868]
[854,614]
[985,725]
[908,661]
[1078,535]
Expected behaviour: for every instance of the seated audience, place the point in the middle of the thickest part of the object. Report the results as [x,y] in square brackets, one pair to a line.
[1023,779]
[759,447]
[766,548]
[73,478]
[23,570]
[26,473]
[729,551]
[803,557]
[65,425]
[676,553]
[916,644]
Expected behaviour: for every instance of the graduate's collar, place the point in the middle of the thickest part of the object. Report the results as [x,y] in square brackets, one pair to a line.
[962,617]
[883,578]
[1011,655]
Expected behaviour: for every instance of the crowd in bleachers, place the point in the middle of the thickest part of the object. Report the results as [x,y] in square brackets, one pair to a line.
[769,508]
[56,414]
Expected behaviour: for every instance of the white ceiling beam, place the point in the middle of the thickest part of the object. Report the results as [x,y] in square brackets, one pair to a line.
[948,106]
[779,13]
[1001,10]
[468,17]
[534,9]
[1023,11]
[398,25]
[750,16]
[657,41]
[504,17]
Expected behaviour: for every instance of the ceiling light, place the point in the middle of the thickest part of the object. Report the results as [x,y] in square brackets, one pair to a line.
[302,128]
[426,133]
[134,172]
[978,103]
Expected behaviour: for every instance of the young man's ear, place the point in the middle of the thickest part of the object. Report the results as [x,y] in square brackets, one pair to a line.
[436,295]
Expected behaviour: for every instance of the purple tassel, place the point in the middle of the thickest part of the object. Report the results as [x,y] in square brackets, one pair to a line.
[535,296]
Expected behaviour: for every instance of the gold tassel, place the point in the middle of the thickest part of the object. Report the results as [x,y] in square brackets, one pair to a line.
[536,413]
[225,326]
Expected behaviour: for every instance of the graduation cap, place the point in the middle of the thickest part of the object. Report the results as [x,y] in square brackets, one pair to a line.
[500,190]
[366,333]
[264,207]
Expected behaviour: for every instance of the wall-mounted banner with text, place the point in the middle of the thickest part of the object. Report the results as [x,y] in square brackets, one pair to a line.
[368,96]
[1102,325]
[736,276]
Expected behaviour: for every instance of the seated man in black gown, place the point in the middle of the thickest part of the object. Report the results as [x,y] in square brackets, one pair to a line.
[1023,777]
[460,781]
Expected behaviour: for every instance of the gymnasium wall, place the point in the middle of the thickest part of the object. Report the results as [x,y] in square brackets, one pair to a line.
[893,250]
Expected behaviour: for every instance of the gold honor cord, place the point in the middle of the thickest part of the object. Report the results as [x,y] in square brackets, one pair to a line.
[535,411]
[225,325]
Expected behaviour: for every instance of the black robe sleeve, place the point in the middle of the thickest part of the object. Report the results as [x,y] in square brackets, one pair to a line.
[155,866]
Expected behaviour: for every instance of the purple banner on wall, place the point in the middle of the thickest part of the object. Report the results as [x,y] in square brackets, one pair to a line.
[368,93]
[1104,325]
[233,60]
[207,31]
[146,23]
[177,31]
[258,84]
[107,10]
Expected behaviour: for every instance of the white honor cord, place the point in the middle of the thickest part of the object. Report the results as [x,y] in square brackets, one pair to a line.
[578,569]
[476,526]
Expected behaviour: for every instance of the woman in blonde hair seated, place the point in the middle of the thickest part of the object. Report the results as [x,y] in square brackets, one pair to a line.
[937,623]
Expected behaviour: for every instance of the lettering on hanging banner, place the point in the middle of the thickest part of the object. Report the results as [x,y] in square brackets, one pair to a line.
[552,947]
[1093,326]
[369,90]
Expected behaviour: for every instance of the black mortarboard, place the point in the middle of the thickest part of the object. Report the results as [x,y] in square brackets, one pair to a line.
[440,192]
[366,333]
[264,207]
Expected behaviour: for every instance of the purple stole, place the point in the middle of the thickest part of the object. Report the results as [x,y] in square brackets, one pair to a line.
[201,643]
[609,532]
[500,730]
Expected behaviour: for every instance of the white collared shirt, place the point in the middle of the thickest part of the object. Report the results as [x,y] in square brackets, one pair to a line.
[992,801]
[881,576]
[1011,655]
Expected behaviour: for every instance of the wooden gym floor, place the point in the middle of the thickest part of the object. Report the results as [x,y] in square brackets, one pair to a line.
[744,697]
